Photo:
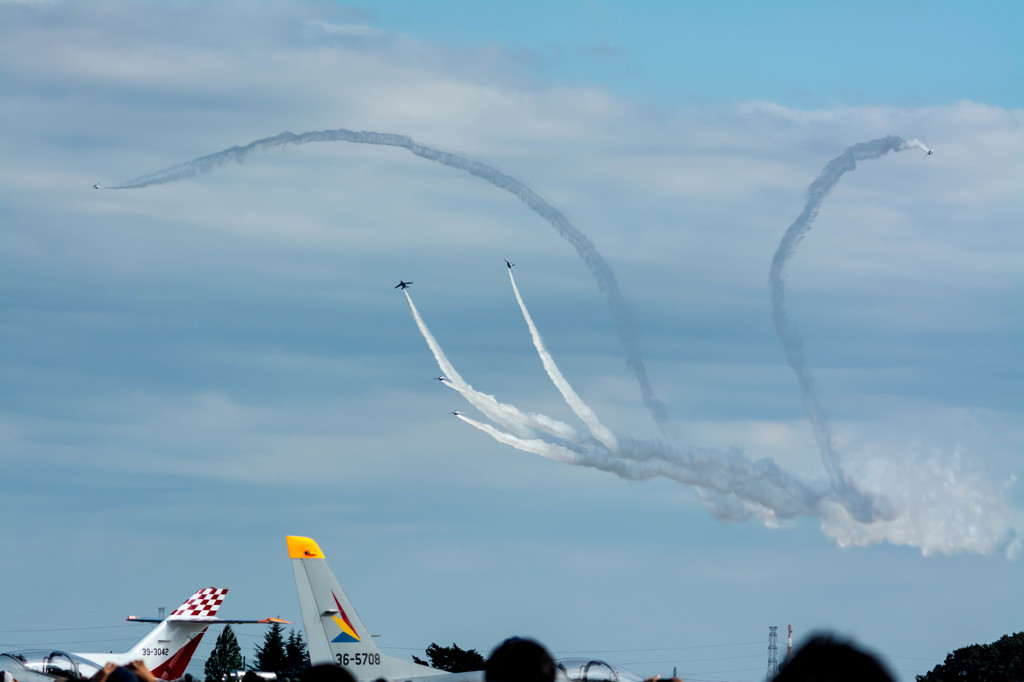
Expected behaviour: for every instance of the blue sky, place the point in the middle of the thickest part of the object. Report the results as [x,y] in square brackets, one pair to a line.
[794,53]
[193,370]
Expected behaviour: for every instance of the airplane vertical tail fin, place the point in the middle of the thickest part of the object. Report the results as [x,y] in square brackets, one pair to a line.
[334,631]
[332,625]
[202,604]
[185,630]
[167,649]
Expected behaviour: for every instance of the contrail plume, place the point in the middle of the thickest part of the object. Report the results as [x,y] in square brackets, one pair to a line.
[536,446]
[762,483]
[935,505]
[598,267]
[634,471]
[508,415]
[761,488]
[447,369]
[514,418]
[862,506]
[574,401]
[914,144]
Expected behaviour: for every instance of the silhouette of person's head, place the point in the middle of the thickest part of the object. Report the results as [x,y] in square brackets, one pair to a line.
[122,674]
[827,659]
[326,672]
[520,660]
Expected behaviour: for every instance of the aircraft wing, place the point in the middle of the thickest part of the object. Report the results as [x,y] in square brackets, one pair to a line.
[208,620]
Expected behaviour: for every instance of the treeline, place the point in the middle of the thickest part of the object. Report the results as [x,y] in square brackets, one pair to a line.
[286,657]
[1000,661]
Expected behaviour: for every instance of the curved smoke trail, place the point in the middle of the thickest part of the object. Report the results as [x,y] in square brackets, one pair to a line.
[862,506]
[598,267]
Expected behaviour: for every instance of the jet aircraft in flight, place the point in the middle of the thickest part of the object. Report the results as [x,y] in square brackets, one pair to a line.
[97,186]
[166,650]
[402,284]
[509,264]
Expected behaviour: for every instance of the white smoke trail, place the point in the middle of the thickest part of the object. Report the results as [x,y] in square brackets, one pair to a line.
[761,485]
[934,505]
[861,506]
[508,415]
[573,399]
[598,267]
[535,446]
[915,144]
[447,369]
[632,470]
[512,417]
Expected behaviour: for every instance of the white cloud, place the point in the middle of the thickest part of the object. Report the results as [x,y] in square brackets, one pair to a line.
[350,30]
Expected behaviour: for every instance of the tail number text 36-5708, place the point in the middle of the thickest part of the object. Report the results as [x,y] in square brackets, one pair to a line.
[358,659]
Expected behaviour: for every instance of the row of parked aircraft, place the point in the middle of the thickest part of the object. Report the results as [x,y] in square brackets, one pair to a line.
[333,629]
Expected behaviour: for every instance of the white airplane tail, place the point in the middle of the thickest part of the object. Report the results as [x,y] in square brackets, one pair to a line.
[334,631]
[168,648]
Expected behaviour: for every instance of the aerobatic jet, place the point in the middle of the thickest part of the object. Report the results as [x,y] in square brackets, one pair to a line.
[929,153]
[441,378]
[457,413]
[402,284]
[97,186]
[509,264]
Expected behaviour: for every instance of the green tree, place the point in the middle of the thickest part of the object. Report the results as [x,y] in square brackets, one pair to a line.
[296,656]
[1000,661]
[452,658]
[225,658]
[271,657]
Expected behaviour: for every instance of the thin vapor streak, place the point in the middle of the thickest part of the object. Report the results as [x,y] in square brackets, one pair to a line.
[861,505]
[582,410]
[599,268]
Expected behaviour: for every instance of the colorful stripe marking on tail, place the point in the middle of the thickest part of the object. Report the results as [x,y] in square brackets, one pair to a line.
[348,633]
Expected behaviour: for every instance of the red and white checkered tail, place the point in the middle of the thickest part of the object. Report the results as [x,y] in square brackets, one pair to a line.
[167,648]
[202,604]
